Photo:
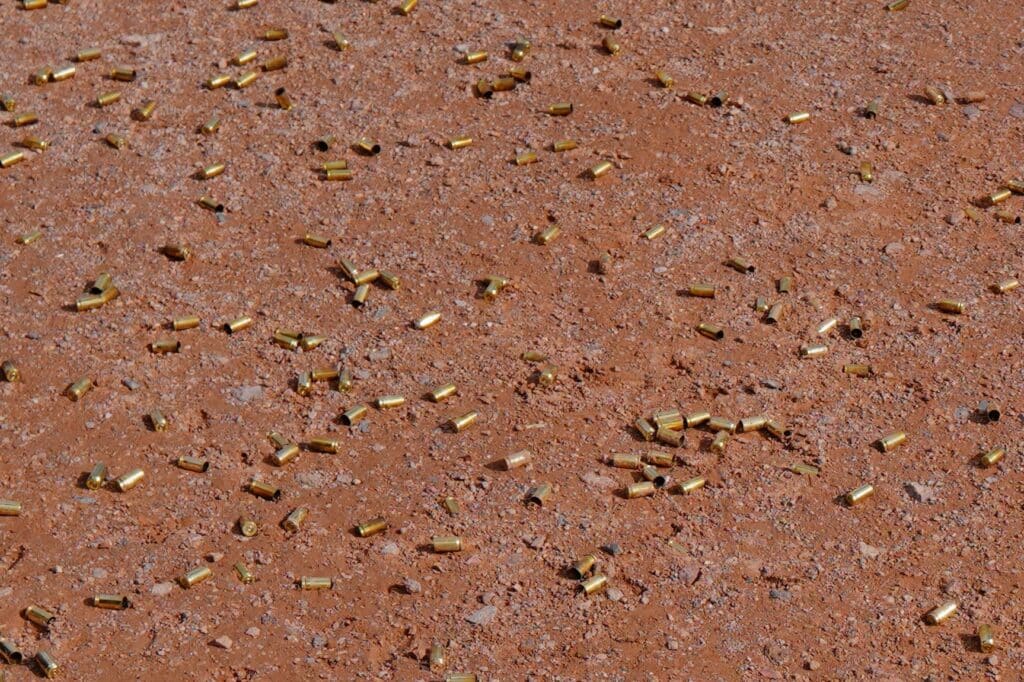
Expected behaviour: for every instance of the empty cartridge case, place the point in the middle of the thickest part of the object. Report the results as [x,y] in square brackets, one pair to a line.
[161,346]
[9,652]
[798,117]
[526,158]
[717,424]
[183,323]
[986,640]
[116,141]
[238,324]
[804,469]
[520,74]
[26,119]
[775,313]
[325,143]
[934,95]
[446,543]
[63,73]
[275,63]
[520,49]
[29,237]
[654,232]
[867,172]
[245,4]
[195,576]
[354,415]
[777,429]
[546,235]
[8,103]
[286,342]
[46,663]
[692,485]
[123,73]
[651,473]
[178,252]
[990,410]
[711,331]
[827,326]
[11,158]
[701,290]
[387,402]
[372,527]
[858,495]
[999,196]
[211,171]
[667,436]
[940,613]
[560,109]
[126,482]
[436,658]
[484,89]
[624,461]
[533,356]
[539,493]
[340,41]
[517,460]
[78,389]
[39,616]
[611,45]
[338,175]
[367,146]
[475,57]
[33,4]
[755,423]
[34,142]
[283,100]
[669,419]
[246,79]
[218,81]
[407,7]
[267,491]
[719,441]
[741,265]
[695,419]
[340,164]
[563,145]
[272,34]
[158,421]
[1006,285]
[647,432]
[10,508]
[664,79]
[697,98]
[311,341]
[345,380]
[600,169]
[594,583]
[114,602]
[294,520]
[193,464]
[859,370]
[891,441]
[108,98]
[10,371]
[313,583]
[245,576]
[144,112]
[503,84]
[366,276]
[303,382]
[640,489]
[813,350]
[442,392]
[582,568]
[327,444]
[761,304]
[991,458]
[101,283]
[247,527]
[856,327]
[463,422]
[325,374]
[427,320]
[316,241]
[244,58]
[897,5]
[613,23]
[97,477]
[547,375]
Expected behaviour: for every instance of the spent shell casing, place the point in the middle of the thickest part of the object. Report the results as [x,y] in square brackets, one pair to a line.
[247,526]
[564,145]
[582,568]
[355,414]
[277,440]
[286,342]
[341,43]
[669,419]
[372,527]
[325,443]
[475,57]
[520,74]
[26,119]
[651,473]
[144,112]
[701,290]
[310,341]
[29,237]
[63,73]
[547,235]
[798,117]
[858,495]
[267,491]
[857,369]
[367,146]
[116,141]
[775,313]
[867,172]
[196,464]
[625,461]
[613,23]
[11,158]
[244,58]
[520,49]
[10,653]
[436,660]
[88,54]
[992,457]
[10,371]
[102,282]
[785,284]
[526,158]
[123,73]
[460,142]
[345,380]
[664,79]
[284,454]
[761,304]
[986,640]
[443,392]
[366,276]
[316,241]
[741,265]
[640,489]
[560,109]
[179,252]
[517,460]
[78,389]
[115,602]
[695,419]
[245,4]
[547,375]
[692,485]
[195,576]
[754,423]
[698,98]
[717,424]
[446,543]
[293,522]
[813,350]
[827,326]
[654,232]
[97,477]
[999,196]
[856,327]
[719,441]
[940,613]
[804,469]
[990,410]
[891,441]
[600,169]
[338,175]
[325,374]
[325,143]
[539,493]
[719,99]
[218,81]
[10,508]
[427,320]
[245,576]
[161,346]
[283,100]
[667,436]
[238,324]
[339,164]
[483,88]
[934,95]
[246,79]
[611,45]
[897,5]
[34,142]
[8,103]
[387,402]
[1006,285]
[463,422]
[46,663]
[873,107]
[451,505]
[407,7]
[646,431]
[182,323]
[126,482]
[277,33]
[711,331]
[158,421]
[212,171]
[38,615]
[315,583]
[778,429]
[594,583]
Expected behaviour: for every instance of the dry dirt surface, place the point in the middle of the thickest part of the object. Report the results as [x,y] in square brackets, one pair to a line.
[763,573]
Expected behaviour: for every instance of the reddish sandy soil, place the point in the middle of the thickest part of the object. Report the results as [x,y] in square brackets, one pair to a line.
[763,574]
